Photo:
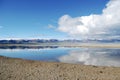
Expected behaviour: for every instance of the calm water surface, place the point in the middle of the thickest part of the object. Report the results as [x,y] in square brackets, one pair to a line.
[86,56]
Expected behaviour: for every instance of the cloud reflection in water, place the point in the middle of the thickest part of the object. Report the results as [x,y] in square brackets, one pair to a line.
[90,56]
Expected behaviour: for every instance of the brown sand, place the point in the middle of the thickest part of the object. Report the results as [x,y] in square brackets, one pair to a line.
[18,69]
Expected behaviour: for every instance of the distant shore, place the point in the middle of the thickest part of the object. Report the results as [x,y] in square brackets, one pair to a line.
[19,69]
[55,45]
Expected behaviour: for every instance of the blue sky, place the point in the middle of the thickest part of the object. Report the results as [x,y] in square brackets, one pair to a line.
[39,18]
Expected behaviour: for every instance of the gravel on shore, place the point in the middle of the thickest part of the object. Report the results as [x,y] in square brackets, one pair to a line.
[19,69]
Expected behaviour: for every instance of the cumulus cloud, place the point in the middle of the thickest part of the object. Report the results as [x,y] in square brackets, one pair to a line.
[93,57]
[95,25]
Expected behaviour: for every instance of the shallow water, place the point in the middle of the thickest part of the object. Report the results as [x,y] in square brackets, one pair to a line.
[86,56]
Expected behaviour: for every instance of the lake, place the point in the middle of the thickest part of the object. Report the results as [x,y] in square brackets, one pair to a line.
[86,56]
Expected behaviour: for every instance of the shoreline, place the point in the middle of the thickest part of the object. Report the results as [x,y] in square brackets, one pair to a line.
[20,69]
[55,45]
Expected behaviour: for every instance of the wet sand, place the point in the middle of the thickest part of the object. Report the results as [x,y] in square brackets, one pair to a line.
[19,69]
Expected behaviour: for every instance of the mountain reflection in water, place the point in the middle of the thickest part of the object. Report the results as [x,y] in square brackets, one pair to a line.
[27,47]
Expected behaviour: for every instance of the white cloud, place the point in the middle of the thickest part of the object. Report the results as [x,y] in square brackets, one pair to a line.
[50,26]
[95,25]
[92,57]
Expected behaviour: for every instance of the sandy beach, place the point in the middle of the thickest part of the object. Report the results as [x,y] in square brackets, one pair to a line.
[19,69]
